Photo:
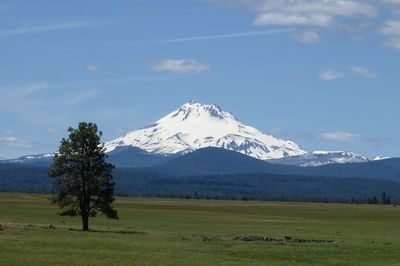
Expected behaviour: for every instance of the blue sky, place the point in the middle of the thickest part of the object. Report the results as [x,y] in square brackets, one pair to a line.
[322,73]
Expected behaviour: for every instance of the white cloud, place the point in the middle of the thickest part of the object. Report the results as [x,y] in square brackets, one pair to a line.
[320,13]
[310,15]
[179,66]
[391,3]
[339,136]
[11,141]
[92,69]
[391,31]
[395,2]
[329,75]
[364,72]
[356,16]
[307,37]
[293,20]
[331,7]
[53,27]
[325,7]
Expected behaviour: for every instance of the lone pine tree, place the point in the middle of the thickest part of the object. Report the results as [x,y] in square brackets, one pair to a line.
[83,179]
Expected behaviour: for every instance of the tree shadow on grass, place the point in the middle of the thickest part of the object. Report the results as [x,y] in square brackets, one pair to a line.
[128,232]
[5,226]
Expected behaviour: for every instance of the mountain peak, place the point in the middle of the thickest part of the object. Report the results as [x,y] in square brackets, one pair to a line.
[195,110]
[196,125]
[198,105]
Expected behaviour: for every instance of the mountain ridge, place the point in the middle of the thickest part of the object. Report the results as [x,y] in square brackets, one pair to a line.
[215,161]
[319,158]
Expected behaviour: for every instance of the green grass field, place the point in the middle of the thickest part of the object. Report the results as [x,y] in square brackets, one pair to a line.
[173,232]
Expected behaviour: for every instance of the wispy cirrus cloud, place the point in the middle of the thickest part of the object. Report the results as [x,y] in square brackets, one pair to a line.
[217,36]
[55,26]
[358,71]
[338,136]
[11,141]
[329,74]
[85,95]
[364,72]
[15,92]
[227,36]
[93,69]
[178,66]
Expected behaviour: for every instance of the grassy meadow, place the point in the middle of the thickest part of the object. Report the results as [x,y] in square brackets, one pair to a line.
[199,232]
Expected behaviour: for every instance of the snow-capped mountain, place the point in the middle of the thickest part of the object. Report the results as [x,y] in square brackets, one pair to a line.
[318,158]
[43,158]
[194,125]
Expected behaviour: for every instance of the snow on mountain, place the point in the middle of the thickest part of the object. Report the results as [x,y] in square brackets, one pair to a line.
[379,158]
[195,125]
[319,158]
[44,157]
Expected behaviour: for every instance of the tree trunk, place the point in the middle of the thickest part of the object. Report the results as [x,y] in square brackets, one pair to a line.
[85,222]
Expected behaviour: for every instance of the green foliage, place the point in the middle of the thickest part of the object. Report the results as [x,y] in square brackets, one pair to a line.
[137,182]
[83,179]
[385,199]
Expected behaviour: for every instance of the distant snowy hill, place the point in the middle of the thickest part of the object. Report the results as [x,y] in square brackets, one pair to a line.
[379,158]
[319,158]
[38,159]
[195,125]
